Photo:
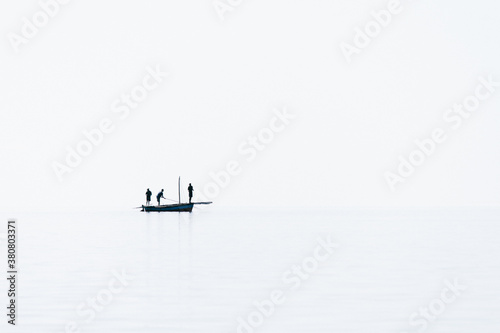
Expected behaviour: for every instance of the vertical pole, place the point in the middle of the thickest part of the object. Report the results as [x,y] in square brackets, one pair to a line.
[179,189]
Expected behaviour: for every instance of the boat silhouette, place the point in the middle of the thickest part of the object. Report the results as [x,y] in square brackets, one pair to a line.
[178,207]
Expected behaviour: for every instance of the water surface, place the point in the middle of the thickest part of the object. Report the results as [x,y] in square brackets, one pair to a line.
[202,271]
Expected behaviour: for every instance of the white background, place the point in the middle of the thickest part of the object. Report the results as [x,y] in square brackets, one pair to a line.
[225,77]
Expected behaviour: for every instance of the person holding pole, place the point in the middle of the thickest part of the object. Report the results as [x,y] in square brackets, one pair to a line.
[159,196]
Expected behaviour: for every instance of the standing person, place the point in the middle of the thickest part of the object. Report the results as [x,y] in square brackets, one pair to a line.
[159,196]
[148,197]
[190,190]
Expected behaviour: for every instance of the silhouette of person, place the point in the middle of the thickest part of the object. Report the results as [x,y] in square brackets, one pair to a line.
[148,197]
[159,196]
[190,190]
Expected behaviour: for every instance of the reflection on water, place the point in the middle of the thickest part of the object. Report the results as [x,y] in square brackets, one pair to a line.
[202,271]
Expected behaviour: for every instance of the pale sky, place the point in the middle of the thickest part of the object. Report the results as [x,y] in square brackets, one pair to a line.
[226,81]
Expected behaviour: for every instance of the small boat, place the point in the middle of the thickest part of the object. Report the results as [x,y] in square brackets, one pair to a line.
[178,207]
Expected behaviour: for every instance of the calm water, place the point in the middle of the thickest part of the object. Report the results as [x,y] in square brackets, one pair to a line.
[202,271]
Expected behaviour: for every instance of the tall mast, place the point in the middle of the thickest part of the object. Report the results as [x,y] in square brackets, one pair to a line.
[179,185]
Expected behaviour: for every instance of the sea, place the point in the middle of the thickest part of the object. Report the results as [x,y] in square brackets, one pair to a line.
[247,270]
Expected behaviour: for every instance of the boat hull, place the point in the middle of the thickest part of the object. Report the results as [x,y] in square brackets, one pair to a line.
[183,207]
